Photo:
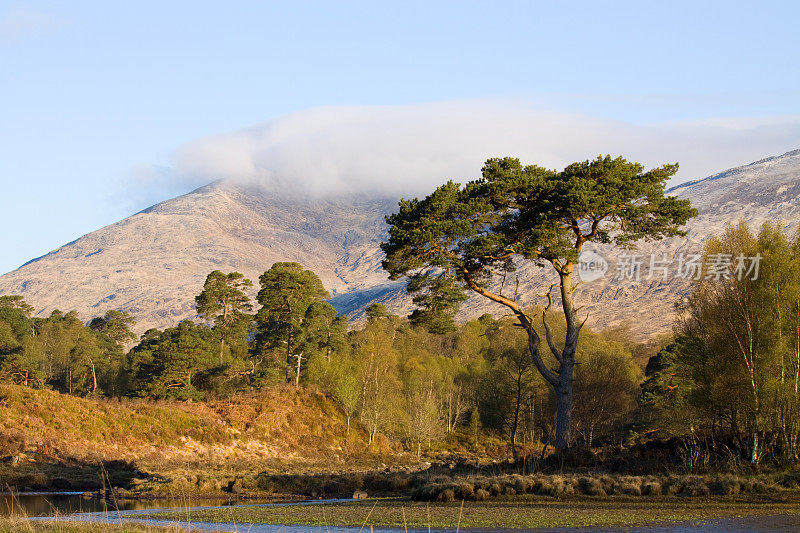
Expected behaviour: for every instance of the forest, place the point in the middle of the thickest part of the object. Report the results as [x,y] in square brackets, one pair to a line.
[729,376]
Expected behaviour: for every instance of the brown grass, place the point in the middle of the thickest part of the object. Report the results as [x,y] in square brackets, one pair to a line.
[198,447]
[479,488]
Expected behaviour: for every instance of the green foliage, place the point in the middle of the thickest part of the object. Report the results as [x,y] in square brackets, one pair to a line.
[375,311]
[459,237]
[607,386]
[437,300]
[115,325]
[510,390]
[472,237]
[61,352]
[287,291]
[169,364]
[665,395]
[224,302]
[740,336]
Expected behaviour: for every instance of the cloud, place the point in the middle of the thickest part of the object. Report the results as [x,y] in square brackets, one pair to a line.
[405,150]
[19,22]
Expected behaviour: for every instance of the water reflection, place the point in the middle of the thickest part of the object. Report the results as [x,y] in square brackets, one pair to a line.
[64,503]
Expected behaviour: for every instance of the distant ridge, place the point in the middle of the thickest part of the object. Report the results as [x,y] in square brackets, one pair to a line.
[154,262]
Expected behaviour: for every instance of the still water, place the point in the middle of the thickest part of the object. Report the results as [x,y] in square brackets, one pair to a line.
[73,506]
[64,503]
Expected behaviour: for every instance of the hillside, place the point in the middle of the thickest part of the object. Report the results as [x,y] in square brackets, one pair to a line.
[154,262]
[48,434]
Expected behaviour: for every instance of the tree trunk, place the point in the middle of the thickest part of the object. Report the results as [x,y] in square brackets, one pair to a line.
[94,378]
[289,366]
[563,387]
[514,445]
[564,409]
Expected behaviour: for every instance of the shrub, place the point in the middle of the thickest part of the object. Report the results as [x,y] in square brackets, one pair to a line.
[627,488]
[726,485]
[446,495]
[522,485]
[481,495]
[464,490]
[561,487]
[695,486]
[591,486]
[651,488]
[790,480]
[673,486]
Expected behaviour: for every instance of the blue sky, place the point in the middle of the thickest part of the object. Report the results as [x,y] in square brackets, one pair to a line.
[98,97]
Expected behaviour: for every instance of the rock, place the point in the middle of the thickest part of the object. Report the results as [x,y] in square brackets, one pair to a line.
[360,495]
[61,483]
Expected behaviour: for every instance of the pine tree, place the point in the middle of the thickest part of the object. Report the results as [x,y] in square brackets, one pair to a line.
[472,238]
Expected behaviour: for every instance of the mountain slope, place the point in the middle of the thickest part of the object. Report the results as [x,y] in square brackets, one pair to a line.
[154,263]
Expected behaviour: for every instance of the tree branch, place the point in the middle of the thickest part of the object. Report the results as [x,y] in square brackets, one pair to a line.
[534,342]
[548,333]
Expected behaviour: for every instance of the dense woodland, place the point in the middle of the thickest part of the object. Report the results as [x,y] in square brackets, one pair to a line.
[731,372]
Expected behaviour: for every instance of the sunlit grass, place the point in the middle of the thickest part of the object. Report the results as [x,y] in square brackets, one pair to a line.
[22,525]
[517,513]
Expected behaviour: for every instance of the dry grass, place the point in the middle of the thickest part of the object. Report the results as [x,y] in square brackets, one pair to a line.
[198,447]
[480,488]
[22,525]
[521,512]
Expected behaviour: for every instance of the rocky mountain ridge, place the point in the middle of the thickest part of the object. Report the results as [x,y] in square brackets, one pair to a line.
[153,263]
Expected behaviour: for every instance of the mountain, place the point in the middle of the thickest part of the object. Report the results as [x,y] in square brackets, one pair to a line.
[153,263]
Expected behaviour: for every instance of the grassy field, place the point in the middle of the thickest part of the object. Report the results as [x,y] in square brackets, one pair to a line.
[21,525]
[519,512]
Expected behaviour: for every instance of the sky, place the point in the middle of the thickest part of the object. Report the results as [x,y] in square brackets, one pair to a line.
[109,107]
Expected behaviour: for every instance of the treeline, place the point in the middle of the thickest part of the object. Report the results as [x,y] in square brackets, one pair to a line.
[732,375]
[727,385]
[62,352]
[392,376]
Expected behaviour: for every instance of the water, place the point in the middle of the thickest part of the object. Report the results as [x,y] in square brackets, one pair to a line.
[47,505]
[65,503]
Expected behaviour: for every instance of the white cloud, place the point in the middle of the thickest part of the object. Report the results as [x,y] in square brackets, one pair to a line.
[20,21]
[398,150]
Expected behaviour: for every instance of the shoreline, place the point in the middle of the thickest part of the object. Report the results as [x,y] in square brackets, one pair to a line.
[348,516]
